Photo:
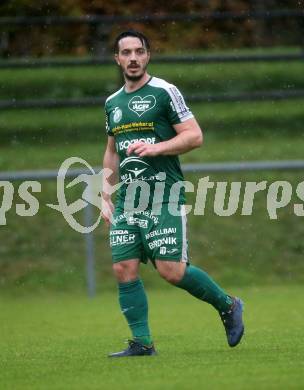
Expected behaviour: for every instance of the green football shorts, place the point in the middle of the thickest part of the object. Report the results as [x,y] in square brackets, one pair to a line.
[145,236]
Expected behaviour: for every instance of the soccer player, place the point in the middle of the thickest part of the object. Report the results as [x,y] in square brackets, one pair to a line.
[148,125]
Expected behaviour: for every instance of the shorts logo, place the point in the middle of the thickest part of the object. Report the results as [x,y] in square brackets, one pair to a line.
[171,251]
[160,232]
[117,232]
[122,239]
[162,250]
[162,241]
[126,216]
[117,114]
[139,222]
[141,105]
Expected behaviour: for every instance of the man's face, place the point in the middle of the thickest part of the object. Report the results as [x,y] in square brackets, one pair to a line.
[132,57]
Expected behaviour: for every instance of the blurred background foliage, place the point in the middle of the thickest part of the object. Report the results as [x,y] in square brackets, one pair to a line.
[80,39]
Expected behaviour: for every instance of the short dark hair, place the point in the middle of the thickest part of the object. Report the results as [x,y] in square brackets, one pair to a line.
[131,33]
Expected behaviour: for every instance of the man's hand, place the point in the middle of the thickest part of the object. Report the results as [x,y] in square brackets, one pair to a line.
[143,149]
[107,209]
[188,136]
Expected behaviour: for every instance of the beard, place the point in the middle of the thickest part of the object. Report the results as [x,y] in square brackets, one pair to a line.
[135,77]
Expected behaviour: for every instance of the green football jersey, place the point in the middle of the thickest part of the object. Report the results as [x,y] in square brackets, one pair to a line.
[148,115]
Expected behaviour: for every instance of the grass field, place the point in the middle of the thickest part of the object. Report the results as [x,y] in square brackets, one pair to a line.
[62,341]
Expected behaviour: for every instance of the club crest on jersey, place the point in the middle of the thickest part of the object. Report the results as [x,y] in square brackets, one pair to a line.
[117,114]
[141,105]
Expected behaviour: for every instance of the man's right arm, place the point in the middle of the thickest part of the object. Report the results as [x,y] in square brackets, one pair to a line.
[110,163]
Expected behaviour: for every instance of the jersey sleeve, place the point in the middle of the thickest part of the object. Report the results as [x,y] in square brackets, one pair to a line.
[108,129]
[178,111]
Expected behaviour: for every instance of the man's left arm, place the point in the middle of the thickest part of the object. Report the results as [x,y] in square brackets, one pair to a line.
[188,136]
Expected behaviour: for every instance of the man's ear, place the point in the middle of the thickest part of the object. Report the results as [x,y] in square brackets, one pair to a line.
[116,59]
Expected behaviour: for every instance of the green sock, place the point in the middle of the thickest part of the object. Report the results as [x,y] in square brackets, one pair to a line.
[199,284]
[134,306]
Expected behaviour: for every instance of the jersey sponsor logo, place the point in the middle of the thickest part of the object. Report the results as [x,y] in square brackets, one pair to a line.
[133,126]
[135,168]
[117,114]
[123,145]
[141,105]
[133,174]
[162,241]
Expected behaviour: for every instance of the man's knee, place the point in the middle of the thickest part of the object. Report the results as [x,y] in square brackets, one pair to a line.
[171,271]
[126,271]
